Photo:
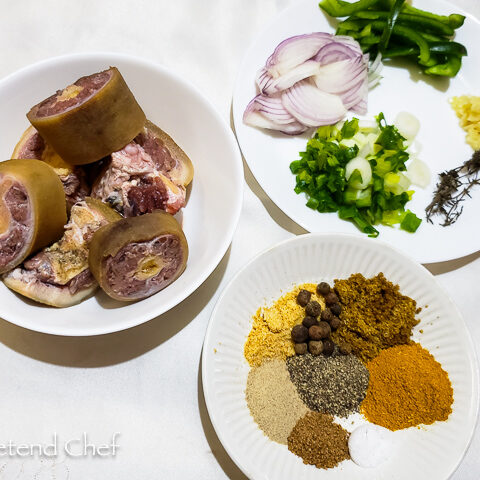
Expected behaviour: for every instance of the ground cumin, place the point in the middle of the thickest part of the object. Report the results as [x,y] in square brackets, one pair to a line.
[319,441]
[407,387]
[375,315]
[270,336]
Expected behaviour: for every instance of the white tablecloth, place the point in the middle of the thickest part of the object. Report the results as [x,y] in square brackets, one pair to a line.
[145,383]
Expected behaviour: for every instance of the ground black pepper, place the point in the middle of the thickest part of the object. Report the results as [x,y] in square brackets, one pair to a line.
[334,385]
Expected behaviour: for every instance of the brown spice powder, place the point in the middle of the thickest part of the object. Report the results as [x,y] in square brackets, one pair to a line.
[319,441]
[270,336]
[408,387]
[375,315]
[273,400]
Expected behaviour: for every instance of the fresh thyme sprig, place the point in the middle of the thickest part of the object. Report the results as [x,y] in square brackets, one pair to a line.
[453,188]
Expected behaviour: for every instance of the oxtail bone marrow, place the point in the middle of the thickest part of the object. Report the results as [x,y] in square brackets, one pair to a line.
[138,256]
[59,275]
[90,119]
[73,178]
[150,173]
[32,210]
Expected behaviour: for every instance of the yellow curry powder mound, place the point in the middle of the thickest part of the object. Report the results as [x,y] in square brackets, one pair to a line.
[270,336]
[407,387]
[467,108]
[375,315]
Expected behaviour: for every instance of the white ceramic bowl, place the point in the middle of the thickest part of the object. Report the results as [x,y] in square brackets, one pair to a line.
[432,451]
[209,218]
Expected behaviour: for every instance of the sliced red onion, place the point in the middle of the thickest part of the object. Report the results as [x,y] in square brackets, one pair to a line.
[295,50]
[312,106]
[270,86]
[350,41]
[309,81]
[374,70]
[357,101]
[360,107]
[262,78]
[337,77]
[269,112]
[335,51]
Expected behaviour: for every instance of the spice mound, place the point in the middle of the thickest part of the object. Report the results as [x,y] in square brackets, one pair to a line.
[408,387]
[375,315]
[270,336]
[334,385]
[371,445]
[319,441]
[273,400]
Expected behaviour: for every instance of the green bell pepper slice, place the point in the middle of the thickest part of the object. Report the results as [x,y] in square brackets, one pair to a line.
[448,69]
[340,8]
[410,35]
[448,48]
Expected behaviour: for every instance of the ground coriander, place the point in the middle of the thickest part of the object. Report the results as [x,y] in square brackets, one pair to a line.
[273,400]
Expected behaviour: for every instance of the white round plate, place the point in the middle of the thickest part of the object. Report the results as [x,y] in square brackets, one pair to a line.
[214,204]
[432,451]
[269,154]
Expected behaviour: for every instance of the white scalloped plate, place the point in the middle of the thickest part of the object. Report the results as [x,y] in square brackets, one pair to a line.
[443,141]
[431,452]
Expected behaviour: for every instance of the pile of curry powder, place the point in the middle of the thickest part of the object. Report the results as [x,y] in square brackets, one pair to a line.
[375,315]
[270,336]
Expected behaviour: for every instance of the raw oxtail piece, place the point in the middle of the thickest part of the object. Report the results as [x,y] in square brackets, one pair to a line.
[90,119]
[150,173]
[59,275]
[138,256]
[32,145]
[32,210]
[170,158]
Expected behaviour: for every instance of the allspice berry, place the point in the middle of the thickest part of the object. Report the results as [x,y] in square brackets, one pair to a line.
[299,334]
[345,348]
[309,321]
[303,297]
[325,329]
[301,348]
[328,347]
[335,323]
[327,315]
[313,309]
[315,333]
[315,347]
[323,288]
[336,309]
[331,299]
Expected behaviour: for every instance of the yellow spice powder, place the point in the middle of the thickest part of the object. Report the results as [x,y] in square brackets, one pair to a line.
[270,336]
[407,387]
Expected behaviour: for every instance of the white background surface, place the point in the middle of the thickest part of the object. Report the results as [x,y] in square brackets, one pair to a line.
[144,382]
